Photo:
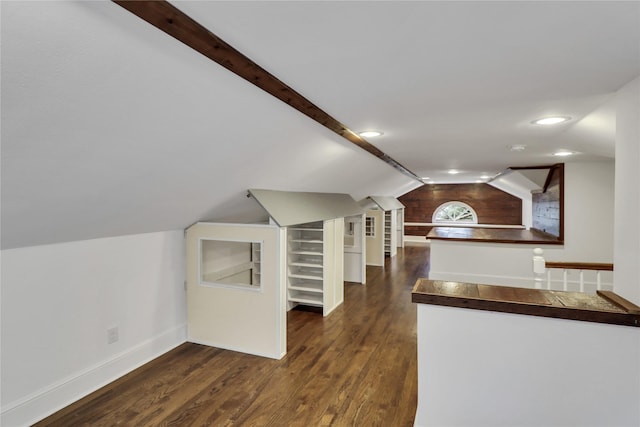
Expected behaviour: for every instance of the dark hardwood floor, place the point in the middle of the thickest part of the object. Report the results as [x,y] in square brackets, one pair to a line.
[356,367]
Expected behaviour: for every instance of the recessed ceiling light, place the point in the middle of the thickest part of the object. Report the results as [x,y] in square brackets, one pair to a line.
[551,120]
[563,153]
[518,147]
[485,177]
[453,172]
[370,133]
[425,177]
[479,181]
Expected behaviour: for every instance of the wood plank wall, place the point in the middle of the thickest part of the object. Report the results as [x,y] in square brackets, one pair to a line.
[548,206]
[492,206]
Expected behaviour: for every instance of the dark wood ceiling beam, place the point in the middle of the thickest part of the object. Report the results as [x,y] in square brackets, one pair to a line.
[177,24]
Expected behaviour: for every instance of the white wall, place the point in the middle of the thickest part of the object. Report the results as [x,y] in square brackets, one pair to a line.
[627,224]
[333,254]
[355,263]
[391,224]
[588,212]
[247,320]
[400,228]
[374,245]
[58,302]
[479,368]
[588,236]
[489,263]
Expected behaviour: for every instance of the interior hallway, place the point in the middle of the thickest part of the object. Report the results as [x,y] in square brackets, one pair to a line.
[357,367]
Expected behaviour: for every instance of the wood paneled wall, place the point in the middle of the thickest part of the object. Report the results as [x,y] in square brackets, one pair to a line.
[492,206]
[548,215]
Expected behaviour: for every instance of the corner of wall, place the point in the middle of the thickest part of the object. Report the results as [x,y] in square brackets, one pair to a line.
[57,396]
[627,192]
[59,302]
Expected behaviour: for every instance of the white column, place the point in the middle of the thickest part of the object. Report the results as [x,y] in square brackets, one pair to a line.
[627,193]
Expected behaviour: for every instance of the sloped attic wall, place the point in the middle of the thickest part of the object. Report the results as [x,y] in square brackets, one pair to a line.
[110,127]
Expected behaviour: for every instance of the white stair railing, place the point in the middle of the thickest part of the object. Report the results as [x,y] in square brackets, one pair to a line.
[542,268]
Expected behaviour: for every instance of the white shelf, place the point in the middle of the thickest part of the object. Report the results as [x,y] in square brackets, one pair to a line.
[306,264]
[306,288]
[305,276]
[306,253]
[387,233]
[306,299]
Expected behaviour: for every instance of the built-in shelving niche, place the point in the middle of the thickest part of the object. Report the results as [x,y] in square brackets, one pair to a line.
[305,264]
[387,233]
[314,265]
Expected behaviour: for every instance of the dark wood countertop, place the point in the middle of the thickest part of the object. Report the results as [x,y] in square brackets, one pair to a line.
[493,235]
[605,307]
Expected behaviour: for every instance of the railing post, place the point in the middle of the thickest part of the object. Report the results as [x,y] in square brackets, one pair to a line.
[538,267]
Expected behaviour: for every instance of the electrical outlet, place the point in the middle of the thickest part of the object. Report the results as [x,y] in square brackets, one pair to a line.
[112,335]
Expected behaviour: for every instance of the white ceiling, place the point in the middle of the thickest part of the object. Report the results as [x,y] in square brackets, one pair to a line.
[111,127]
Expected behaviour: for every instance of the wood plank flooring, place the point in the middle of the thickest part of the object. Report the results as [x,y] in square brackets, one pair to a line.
[356,367]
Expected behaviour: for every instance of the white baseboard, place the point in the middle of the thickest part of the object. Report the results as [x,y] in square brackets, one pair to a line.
[44,402]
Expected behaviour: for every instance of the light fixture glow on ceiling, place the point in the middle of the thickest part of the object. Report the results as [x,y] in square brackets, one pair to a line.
[370,133]
[453,172]
[479,181]
[485,177]
[425,177]
[563,153]
[551,120]
[518,147]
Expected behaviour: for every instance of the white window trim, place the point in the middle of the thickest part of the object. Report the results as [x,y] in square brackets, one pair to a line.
[474,219]
[236,286]
[370,231]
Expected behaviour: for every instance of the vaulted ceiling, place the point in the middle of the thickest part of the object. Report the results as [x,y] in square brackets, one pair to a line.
[112,127]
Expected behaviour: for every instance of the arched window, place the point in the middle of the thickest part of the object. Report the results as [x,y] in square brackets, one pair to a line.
[457,212]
